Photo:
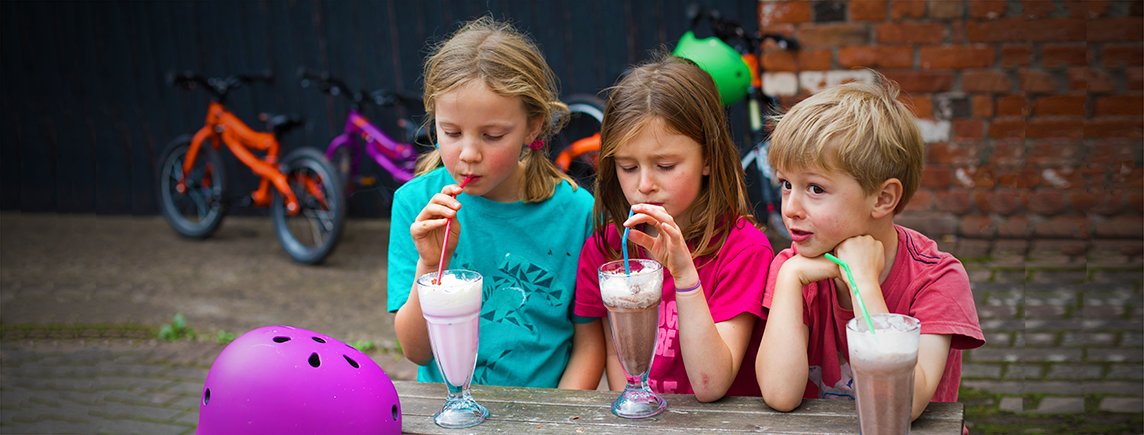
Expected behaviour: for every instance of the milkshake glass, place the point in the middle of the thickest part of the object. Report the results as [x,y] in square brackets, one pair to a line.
[452,308]
[633,313]
[883,365]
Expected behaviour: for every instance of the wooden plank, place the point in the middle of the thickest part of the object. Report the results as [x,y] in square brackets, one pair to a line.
[533,410]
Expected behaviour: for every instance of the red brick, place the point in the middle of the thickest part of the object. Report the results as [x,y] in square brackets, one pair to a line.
[910,32]
[834,35]
[1103,203]
[921,81]
[1055,55]
[1136,201]
[1082,200]
[1003,30]
[868,10]
[1106,154]
[779,60]
[1018,178]
[921,201]
[1134,79]
[1012,105]
[876,57]
[1095,8]
[784,12]
[983,106]
[1005,202]
[1120,227]
[1068,105]
[1055,127]
[956,154]
[1091,80]
[1014,227]
[989,9]
[1119,55]
[935,177]
[1037,8]
[1007,127]
[1136,9]
[1131,105]
[956,57]
[946,9]
[1046,202]
[1129,29]
[1047,153]
[985,80]
[1037,81]
[1055,29]
[1113,127]
[1008,153]
[907,9]
[815,60]
[955,201]
[1071,227]
[780,28]
[977,227]
[1016,55]
[921,105]
[968,129]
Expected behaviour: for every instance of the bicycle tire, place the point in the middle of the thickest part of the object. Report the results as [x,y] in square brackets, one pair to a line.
[310,236]
[586,114]
[198,212]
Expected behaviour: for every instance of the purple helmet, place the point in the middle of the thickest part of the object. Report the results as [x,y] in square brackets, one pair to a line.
[286,380]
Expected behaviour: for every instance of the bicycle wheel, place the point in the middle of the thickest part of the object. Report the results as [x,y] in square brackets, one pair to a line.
[585,117]
[197,211]
[311,235]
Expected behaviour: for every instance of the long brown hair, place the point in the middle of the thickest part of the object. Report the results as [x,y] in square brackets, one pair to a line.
[509,64]
[682,95]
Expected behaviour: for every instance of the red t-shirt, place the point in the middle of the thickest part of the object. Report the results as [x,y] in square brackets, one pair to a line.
[733,282]
[923,283]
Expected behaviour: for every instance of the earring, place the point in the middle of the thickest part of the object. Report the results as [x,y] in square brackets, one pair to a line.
[536,144]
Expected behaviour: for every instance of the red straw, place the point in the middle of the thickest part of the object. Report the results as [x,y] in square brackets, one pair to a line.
[445,245]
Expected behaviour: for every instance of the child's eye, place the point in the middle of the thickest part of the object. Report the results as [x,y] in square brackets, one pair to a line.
[817,189]
[784,184]
[453,134]
[667,167]
[628,168]
[494,138]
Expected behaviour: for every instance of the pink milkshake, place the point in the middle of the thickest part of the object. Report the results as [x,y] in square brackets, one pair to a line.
[883,365]
[451,309]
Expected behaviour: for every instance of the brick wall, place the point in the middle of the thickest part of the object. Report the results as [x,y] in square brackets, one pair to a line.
[1031,110]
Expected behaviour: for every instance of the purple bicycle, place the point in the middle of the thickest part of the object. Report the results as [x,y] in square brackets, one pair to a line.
[345,150]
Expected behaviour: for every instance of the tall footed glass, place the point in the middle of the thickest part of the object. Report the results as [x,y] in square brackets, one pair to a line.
[633,313]
[452,308]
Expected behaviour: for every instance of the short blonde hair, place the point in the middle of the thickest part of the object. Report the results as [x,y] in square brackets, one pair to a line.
[511,65]
[860,129]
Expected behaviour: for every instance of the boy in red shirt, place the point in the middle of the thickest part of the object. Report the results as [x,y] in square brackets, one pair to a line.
[848,160]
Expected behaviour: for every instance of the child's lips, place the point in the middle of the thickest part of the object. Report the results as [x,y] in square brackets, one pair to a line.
[799,236]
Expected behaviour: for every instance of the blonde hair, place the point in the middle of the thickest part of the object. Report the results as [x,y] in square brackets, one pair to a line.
[860,129]
[684,97]
[511,65]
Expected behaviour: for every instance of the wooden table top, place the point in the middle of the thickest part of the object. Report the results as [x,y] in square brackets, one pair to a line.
[515,410]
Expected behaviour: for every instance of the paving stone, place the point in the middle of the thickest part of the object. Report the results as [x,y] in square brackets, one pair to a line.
[969,370]
[1057,405]
[1055,276]
[1007,297]
[1131,339]
[185,403]
[1012,404]
[1040,338]
[1013,325]
[1056,387]
[185,388]
[1115,355]
[121,411]
[187,373]
[1122,404]
[1113,325]
[1023,371]
[131,426]
[1054,325]
[1026,354]
[1088,339]
[1102,311]
[48,427]
[1044,311]
[998,339]
[110,368]
[151,384]
[997,312]
[1075,371]
[1126,371]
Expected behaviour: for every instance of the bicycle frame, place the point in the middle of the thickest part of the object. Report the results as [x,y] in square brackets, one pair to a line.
[396,158]
[222,127]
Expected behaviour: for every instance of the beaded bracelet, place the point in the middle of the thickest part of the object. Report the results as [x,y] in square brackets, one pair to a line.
[679,290]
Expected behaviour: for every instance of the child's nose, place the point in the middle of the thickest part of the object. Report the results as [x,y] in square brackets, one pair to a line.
[470,151]
[792,206]
[647,182]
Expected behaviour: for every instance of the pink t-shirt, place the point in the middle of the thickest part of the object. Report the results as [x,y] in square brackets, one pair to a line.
[733,282]
[923,282]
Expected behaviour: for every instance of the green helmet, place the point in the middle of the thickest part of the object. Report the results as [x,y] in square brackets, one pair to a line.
[726,66]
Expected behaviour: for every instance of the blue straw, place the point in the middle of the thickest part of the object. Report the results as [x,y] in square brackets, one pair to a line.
[624,243]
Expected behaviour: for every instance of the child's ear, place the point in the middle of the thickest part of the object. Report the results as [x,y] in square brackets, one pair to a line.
[534,129]
[887,198]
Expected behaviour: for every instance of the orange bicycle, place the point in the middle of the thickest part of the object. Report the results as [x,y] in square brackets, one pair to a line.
[307,204]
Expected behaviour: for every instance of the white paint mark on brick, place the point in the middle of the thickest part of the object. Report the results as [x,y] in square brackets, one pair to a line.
[964,178]
[815,81]
[780,84]
[934,131]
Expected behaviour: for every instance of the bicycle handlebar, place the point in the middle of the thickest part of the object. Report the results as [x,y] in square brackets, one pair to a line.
[334,86]
[728,30]
[217,86]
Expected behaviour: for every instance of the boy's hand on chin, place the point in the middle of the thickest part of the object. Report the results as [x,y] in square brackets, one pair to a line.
[811,269]
[865,255]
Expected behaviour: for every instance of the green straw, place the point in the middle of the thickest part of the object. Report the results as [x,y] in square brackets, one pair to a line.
[627,269]
[854,287]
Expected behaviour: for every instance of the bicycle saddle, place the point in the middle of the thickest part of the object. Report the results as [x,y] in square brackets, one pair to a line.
[281,123]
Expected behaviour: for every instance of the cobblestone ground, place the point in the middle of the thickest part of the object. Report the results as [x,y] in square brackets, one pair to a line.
[1063,321]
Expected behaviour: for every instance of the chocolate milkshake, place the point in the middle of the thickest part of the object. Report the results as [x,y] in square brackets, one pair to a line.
[632,299]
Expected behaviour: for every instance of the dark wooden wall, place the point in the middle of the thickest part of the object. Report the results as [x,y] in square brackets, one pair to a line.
[86,111]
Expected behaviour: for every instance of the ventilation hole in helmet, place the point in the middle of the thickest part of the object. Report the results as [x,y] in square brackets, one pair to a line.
[395,413]
[314,361]
[351,361]
[281,339]
[318,340]
[207,396]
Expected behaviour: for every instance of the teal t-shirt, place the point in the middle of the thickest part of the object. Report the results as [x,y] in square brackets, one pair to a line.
[527,254]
